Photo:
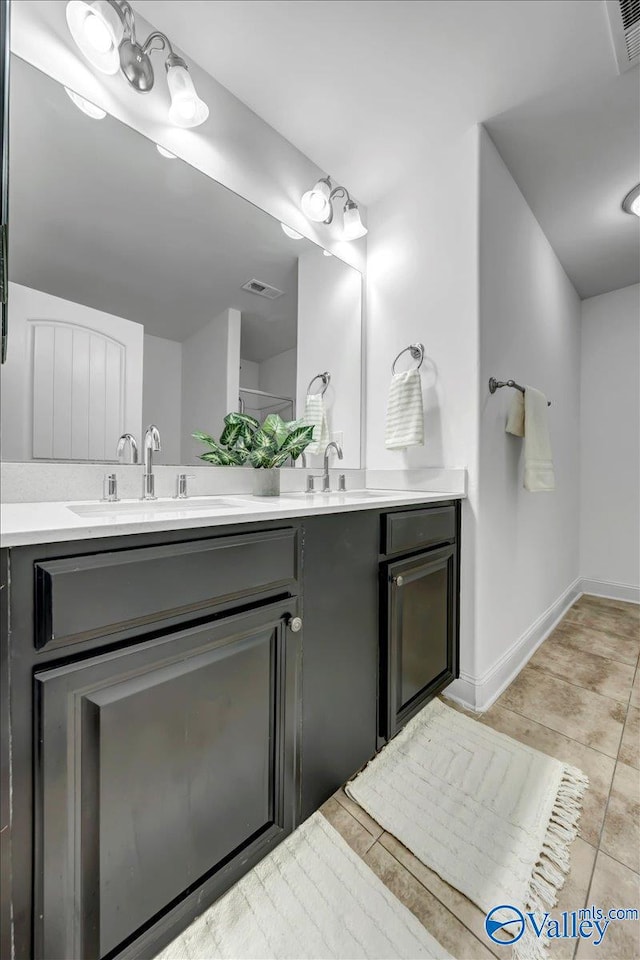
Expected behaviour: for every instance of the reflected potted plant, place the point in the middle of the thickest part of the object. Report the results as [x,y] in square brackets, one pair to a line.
[267,447]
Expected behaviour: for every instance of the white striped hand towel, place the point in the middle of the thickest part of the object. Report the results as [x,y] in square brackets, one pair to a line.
[315,415]
[405,417]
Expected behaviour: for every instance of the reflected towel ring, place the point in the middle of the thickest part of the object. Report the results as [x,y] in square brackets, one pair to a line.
[325,377]
[417,352]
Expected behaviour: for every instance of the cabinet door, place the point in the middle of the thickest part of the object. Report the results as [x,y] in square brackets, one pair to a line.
[157,764]
[420,654]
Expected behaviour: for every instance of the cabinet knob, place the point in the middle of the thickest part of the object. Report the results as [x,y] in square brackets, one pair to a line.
[295,624]
[398,581]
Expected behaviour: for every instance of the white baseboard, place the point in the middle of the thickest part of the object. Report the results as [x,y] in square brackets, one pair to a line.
[479,693]
[610,590]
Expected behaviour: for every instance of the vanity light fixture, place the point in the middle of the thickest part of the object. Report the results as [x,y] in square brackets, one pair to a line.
[104,31]
[317,205]
[91,110]
[631,203]
[290,232]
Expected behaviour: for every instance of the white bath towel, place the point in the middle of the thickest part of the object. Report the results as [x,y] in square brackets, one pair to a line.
[538,465]
[315,415]
[515,416]
[405,417]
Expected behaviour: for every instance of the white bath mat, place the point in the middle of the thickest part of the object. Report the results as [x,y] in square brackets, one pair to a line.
[493,817]
[311,897]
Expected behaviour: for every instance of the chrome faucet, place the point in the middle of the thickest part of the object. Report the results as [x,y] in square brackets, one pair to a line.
[326,486]
[151,446]
[127,440]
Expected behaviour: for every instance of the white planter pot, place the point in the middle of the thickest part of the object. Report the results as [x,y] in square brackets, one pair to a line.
[266,483]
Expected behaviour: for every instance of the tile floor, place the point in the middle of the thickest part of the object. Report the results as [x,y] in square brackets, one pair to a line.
[578,699]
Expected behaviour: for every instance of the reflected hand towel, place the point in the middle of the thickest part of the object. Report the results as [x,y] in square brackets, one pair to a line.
[405,416]
[315,415]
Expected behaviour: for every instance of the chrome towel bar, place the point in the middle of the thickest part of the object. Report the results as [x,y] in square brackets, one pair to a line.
[496,384]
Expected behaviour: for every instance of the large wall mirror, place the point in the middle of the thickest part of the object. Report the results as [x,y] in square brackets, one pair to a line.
[142,291]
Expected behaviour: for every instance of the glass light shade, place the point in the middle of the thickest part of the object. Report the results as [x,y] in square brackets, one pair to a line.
[290,232]
[315,202]
[91,110]
[353,225]
[187,109]
[97,31]
[165,153]
[631,203]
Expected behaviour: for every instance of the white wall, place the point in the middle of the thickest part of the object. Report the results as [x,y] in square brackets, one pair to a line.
[234,146]
[422,285]
[278,375]
[527,544]
[210,380]
[162,394]
[610,440]
[329,338]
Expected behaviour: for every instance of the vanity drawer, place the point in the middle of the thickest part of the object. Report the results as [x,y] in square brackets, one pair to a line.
[80,598]
[413,529]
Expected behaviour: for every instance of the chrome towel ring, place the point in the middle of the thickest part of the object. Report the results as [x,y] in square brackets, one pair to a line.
[417,352]
[326,379]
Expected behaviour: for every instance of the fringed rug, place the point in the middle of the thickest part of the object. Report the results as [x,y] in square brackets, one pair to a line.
[493,817]
[311,897]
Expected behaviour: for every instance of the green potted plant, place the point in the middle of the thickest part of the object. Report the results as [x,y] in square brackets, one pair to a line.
[267,446]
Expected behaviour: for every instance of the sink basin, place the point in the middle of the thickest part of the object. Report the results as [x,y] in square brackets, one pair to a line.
[349,494]
[151,508]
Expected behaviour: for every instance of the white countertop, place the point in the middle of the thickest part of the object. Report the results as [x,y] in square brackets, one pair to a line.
[52,522]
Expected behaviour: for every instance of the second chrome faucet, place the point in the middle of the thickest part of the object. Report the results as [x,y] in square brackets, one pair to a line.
[151,446]
[326,482]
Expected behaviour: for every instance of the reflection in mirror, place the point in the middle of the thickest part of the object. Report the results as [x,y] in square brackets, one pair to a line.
[142,291]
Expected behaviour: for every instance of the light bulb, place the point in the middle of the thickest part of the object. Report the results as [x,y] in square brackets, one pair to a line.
[187,109]
[165,153]
[290,232]
[635,206]
[315,202]
[353,225]
[97,30]
[91,110]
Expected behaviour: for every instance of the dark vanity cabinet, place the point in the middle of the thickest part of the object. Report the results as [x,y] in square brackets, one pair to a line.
[419,612]
[181,700]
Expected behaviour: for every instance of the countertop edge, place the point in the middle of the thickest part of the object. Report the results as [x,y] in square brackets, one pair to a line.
[60,533]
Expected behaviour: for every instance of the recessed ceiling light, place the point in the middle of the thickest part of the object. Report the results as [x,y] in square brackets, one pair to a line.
[631,203]
[91,110]
[290,232]
[165,153]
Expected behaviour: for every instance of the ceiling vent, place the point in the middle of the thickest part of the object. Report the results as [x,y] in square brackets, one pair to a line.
[624,20]
[264,289]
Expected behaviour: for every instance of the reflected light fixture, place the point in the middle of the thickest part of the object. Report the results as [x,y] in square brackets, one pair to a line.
[317,205]
[165,153]
[631,203]
[290,232]
[104,31]
[91,110]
